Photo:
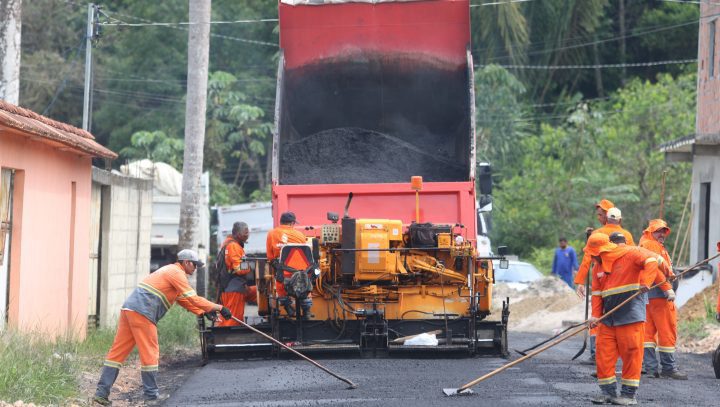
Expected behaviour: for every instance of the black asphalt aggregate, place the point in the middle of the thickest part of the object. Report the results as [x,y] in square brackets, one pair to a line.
[548,379]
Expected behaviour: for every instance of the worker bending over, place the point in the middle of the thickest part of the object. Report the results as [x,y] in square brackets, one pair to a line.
[237,292]
[276,239]
[612,218]
[621,272]
[139,315]
[661,322]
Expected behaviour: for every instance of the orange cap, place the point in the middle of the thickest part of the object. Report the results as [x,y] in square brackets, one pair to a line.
[656,224]
[598,243]
[605,205]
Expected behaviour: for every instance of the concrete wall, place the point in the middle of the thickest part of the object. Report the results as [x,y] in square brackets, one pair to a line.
[706,162]
[50,235]
[706,168]
[125,242]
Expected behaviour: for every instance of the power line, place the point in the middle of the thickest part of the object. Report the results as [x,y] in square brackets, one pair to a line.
[495,3]
[176,27]
[598,66]
[160,24]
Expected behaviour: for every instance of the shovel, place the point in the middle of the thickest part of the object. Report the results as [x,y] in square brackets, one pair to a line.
[465,389]
[351,384]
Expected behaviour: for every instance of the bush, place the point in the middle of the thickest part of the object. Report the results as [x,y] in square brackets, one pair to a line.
[178,329]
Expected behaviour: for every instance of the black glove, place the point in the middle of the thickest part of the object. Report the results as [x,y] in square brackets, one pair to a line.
[225,312]
[212,315]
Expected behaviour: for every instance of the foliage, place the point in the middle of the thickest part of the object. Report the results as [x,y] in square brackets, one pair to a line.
[237,135]
[33,369]
[606,150]
[500,116]
[156,146]
[177,330]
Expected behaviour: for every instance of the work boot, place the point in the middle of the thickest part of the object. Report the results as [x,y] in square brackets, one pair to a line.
[654,375]
[602,398]
[155,401]
[589,361]
[624,400]
[675,374]
[103,401]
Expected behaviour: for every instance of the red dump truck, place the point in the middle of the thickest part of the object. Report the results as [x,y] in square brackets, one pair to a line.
[369,95]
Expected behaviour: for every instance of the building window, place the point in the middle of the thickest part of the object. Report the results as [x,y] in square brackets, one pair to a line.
[704,221]
[711,49]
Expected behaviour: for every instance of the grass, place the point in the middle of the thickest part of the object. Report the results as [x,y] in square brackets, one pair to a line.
[694,329]
[35,369]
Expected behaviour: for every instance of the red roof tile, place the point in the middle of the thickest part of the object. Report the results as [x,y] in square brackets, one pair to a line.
[30,122]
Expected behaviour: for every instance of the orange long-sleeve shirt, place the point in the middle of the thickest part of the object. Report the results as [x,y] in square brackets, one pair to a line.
[586,262]
[160,290]
[234,254]
[279,237]
[629,269]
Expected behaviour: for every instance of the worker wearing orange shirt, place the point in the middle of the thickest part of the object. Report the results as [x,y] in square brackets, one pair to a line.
[621,272]
[139,315]
[237,292]
[661,323]
[611,218]
[613,221]
[276,239]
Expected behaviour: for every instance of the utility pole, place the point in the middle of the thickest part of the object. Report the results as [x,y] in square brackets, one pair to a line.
[91,32]
[10,29]
[195,108]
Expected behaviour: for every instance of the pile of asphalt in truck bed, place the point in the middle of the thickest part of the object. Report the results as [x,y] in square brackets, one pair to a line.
[355,155]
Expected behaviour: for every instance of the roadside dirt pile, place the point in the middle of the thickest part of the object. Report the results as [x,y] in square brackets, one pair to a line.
[544,306]
[696,309]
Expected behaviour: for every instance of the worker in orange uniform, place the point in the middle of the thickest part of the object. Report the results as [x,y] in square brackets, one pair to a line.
[661,323]
[237,292]
[610,217]
[622,271]
[139,315]
[276,239]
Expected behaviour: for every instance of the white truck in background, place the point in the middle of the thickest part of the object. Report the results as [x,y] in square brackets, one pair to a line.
[167,190]
[258,216]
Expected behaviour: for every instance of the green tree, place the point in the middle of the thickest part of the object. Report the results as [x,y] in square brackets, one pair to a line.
[238,136]
[155,146]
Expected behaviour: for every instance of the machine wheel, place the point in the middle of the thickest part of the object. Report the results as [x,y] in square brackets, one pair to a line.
[716,362]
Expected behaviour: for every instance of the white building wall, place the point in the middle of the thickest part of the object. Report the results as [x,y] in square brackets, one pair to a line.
[706,168]
[125,252]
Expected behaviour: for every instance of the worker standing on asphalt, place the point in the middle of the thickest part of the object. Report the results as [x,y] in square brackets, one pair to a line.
[565,262]
[237,292]
[610,217]
[622,271]
[661,323]
[276,239]
[139,315]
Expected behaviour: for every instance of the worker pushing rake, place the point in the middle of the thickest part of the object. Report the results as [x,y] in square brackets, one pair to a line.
[624,274]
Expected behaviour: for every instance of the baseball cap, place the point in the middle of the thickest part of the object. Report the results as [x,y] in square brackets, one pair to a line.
[598,243]
[614,213]
[190,255]
[288,217]
[617,237]
[605,205]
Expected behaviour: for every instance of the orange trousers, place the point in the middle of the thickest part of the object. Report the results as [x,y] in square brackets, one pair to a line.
[134,329]
[624,341]
[661,325]
[236,303]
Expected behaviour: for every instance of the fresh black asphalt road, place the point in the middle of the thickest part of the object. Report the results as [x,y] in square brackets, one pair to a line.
[549,379]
